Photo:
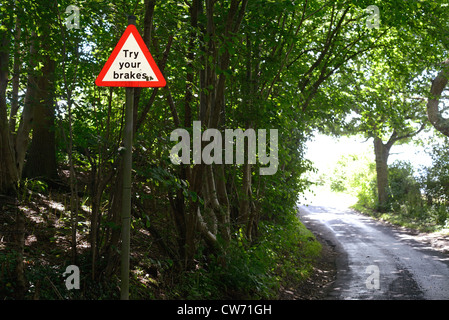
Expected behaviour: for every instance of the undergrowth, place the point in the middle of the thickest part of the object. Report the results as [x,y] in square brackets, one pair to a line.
[282,254]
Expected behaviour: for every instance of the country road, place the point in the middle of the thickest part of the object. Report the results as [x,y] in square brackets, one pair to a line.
[376,261]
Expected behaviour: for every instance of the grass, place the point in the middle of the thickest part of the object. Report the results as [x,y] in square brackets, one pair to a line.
[426,222]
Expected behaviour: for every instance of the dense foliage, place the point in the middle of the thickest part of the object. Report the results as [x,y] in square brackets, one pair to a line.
[198,230]
[417,196]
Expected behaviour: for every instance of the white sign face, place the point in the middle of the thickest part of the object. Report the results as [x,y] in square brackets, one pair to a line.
[130,64]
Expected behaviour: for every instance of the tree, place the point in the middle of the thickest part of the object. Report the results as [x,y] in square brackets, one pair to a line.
[38,93]
[41,158]
[436,116]
[8,171]
[277,43]
[384,107]
[385,93]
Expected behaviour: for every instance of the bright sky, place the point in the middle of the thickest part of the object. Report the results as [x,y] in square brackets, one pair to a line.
[325,151]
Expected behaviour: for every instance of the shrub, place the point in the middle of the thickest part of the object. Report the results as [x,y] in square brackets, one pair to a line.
[404,190]
[435,184]
[356,175]
[254,270]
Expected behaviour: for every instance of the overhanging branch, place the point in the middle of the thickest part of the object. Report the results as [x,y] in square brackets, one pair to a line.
[434,114]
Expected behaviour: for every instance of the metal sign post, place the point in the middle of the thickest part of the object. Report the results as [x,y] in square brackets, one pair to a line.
[126,196]
[130,65]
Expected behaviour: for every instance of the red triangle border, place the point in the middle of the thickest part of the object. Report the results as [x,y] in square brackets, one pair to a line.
[130,29]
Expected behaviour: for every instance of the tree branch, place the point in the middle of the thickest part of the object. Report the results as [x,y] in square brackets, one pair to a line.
[435,116]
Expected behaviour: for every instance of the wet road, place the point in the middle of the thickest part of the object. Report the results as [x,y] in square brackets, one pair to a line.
[376,261]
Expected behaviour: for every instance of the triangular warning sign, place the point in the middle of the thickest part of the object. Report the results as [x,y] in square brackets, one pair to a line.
[130,64]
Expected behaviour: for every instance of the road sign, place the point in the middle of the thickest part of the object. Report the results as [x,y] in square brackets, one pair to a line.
[130,64]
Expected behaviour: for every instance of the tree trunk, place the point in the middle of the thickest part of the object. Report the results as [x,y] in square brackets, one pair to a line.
[113,231]
[41,157]
[224,217]
[15,78]
[23,132]
[382,151]
[8,172]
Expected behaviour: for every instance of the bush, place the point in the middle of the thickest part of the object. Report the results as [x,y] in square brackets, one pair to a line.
[404,190]
[7,277]
[283,253]
[356,175]
[417,201]
[435,183]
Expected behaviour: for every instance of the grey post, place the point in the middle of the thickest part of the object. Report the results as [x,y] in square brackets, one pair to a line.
[126,200]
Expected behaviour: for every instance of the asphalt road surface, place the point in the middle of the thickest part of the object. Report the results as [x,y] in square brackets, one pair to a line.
[376,261]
